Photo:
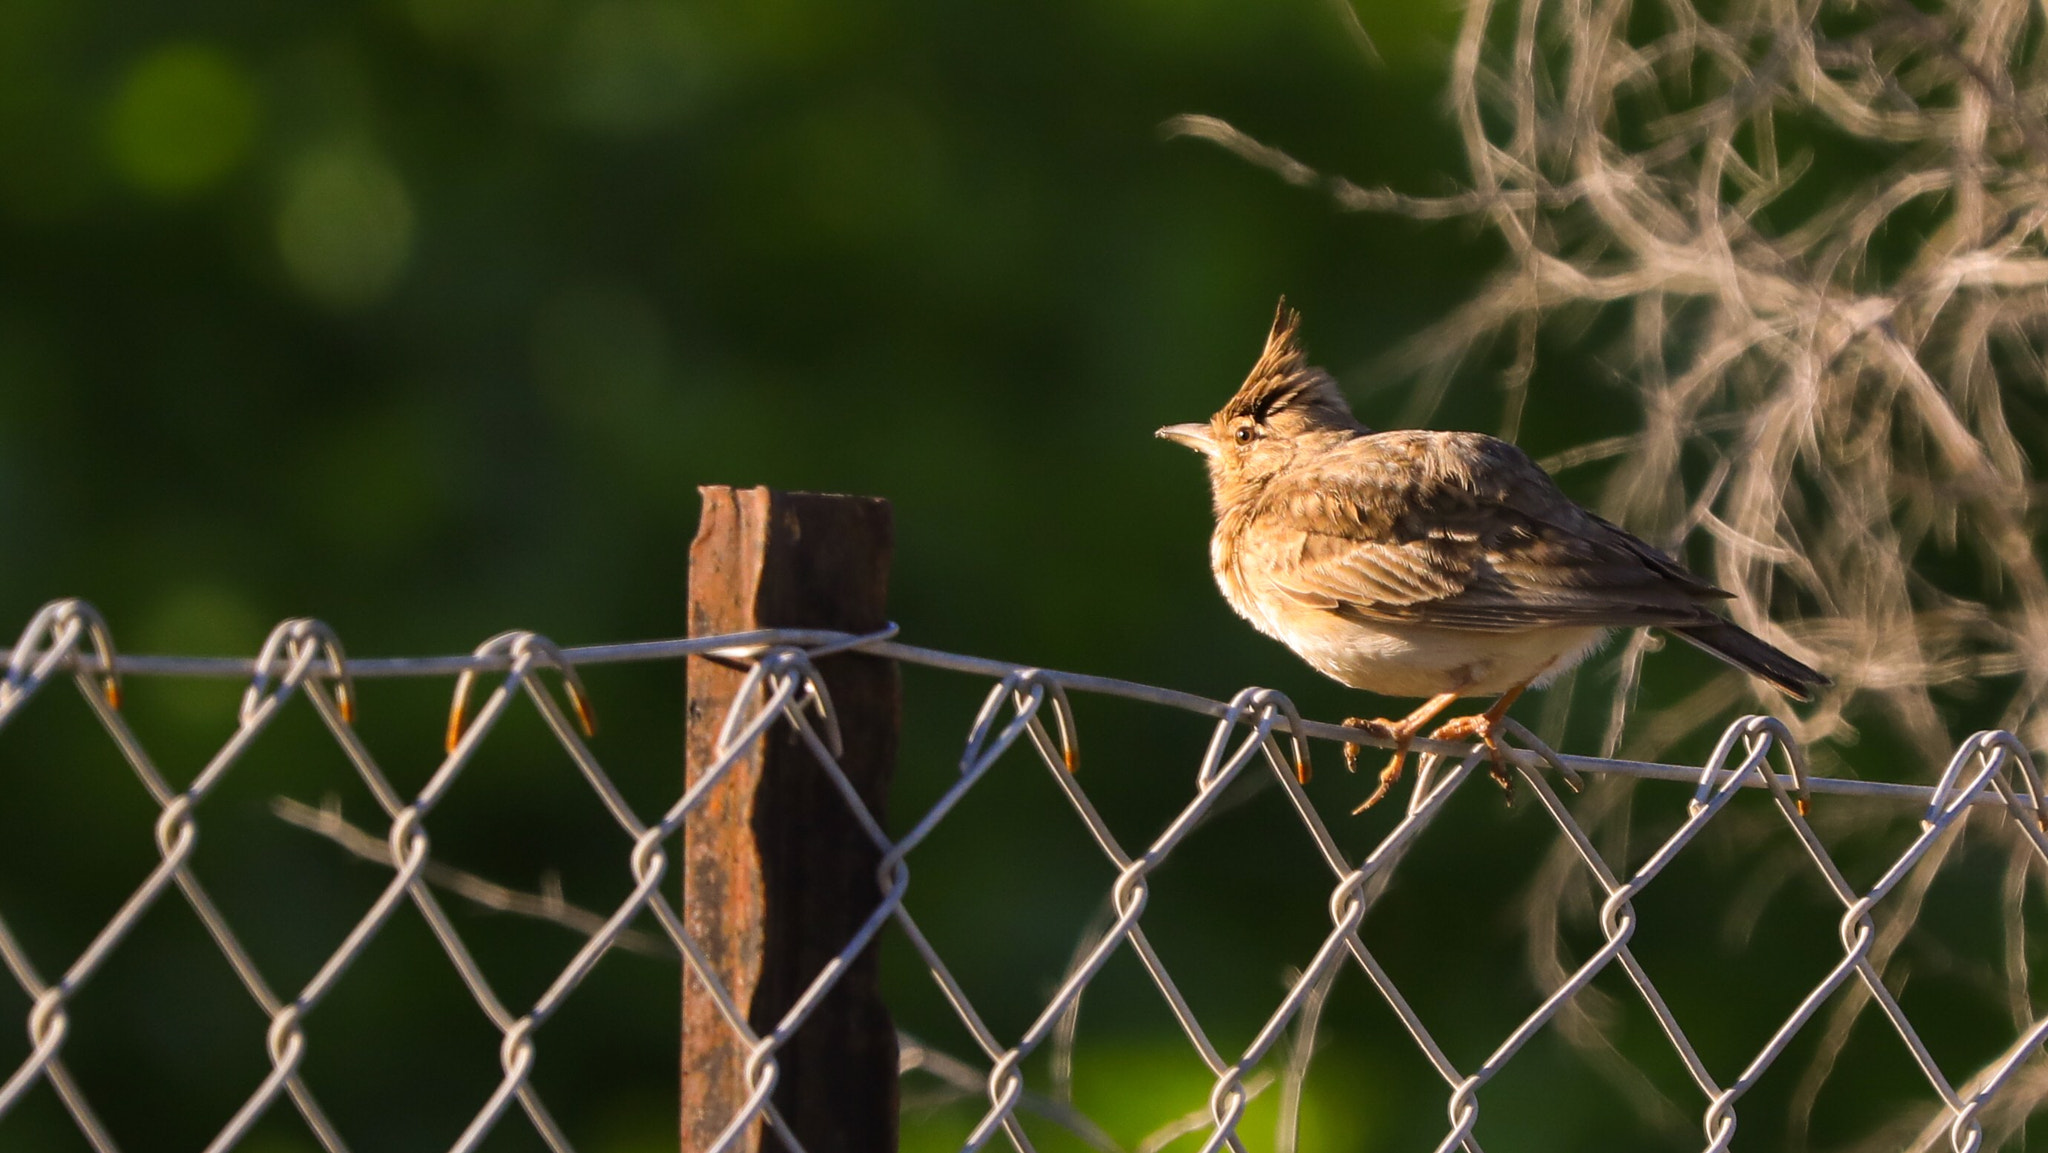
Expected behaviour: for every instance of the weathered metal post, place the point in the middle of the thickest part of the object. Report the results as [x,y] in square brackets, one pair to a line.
[777,877]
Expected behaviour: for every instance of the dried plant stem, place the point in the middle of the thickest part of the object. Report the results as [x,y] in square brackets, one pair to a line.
[1814,237]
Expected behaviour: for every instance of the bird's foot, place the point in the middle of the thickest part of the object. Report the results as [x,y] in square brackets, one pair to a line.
[1385,730]
[1400,732]
[1486,726]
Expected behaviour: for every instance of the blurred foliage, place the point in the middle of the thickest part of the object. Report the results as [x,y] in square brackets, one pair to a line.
[424,317]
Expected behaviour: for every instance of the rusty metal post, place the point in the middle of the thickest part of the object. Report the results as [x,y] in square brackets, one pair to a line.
[777,876]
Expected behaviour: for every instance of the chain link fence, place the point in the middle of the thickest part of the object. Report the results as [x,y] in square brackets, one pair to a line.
[1027,718]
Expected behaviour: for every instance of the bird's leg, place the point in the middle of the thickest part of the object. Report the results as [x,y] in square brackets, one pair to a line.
[1400,732]
[1485,726]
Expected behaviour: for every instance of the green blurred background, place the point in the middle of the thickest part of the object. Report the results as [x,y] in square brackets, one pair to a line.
[424,317]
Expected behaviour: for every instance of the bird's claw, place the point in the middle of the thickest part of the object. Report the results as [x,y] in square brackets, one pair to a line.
[1385,730]
[1486,727]
[1377,727]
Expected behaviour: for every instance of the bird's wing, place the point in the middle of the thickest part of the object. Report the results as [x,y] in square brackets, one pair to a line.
[1460,531]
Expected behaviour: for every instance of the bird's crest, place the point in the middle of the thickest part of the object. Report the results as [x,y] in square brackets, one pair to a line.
[1283,381]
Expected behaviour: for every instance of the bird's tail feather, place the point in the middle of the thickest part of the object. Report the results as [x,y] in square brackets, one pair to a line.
[1751,653]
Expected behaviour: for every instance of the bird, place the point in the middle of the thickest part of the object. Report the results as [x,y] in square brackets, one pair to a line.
[1432,564]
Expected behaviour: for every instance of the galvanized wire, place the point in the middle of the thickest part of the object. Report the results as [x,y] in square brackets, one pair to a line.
[1257,732]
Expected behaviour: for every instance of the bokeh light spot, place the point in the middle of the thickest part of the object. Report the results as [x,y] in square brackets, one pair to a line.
[345,227]
[183,119]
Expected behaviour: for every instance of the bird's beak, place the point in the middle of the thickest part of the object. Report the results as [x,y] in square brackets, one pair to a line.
[1196,436]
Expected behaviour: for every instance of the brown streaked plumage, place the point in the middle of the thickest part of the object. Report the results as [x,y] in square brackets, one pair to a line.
[1428,564]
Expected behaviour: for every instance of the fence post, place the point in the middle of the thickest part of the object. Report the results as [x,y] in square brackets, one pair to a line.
[777,877]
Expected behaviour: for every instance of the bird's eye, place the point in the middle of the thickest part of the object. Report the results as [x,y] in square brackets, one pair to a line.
[1244,434]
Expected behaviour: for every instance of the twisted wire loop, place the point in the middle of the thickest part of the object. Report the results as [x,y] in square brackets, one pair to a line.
[59,628]
[1028,714]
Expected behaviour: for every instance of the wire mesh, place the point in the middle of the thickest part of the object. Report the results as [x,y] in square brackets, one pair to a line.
[1258,733]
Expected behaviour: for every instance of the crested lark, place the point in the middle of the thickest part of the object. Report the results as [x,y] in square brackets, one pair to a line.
[1428,564]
